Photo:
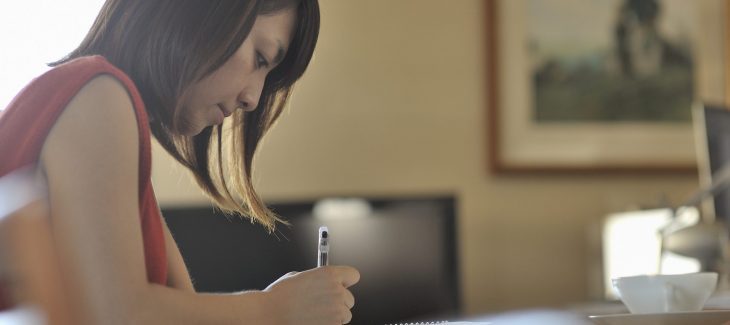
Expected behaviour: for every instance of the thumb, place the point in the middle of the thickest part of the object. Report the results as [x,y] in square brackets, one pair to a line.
[282,278]
[292,273]
[347,275]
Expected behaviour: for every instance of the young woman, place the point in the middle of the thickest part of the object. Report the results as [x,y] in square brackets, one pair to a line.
[177,70]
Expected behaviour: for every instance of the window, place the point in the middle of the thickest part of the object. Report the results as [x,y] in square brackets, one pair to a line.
[36,32]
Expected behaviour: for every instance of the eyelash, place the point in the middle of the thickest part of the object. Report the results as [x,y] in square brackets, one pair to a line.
[261,61]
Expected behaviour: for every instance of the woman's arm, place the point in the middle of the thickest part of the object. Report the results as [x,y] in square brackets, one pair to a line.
[177,273]
[91,162]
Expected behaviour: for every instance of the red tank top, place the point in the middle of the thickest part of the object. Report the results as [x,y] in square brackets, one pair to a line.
[27,121]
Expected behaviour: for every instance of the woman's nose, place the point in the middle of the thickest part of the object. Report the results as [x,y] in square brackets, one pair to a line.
[249,99]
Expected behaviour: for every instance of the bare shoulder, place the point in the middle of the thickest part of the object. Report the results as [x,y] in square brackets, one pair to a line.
[90,160]
[90,157]
[98,121]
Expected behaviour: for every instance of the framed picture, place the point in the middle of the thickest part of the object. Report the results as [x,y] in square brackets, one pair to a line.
[600,85]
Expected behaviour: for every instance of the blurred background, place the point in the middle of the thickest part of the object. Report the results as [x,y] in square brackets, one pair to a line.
[394,105]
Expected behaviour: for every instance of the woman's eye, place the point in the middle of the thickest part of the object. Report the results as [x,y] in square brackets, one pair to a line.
[261,61]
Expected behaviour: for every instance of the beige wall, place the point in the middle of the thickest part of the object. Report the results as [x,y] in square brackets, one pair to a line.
[394,103]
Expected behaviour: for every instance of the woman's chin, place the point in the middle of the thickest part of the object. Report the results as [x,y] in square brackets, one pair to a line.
[195,132]
[189,130]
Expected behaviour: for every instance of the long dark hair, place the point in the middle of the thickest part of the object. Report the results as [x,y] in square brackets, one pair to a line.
[165,46]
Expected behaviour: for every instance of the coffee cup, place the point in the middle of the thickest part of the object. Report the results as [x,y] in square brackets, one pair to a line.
[665,293]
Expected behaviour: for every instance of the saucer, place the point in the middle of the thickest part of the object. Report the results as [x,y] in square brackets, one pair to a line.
[717,317]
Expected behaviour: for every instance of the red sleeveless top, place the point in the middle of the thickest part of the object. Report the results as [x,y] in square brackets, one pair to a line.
[27,121]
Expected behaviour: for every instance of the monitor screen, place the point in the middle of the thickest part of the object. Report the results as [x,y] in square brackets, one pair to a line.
[713,132]
[404,249]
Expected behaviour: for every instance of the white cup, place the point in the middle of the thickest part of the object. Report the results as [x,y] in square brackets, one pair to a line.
[664,293]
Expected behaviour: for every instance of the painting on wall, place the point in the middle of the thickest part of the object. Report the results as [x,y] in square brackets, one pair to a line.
[597,85]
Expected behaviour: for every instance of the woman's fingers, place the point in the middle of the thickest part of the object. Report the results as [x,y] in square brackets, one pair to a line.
[346,275]
[316,296]
[349,299]
[347,317]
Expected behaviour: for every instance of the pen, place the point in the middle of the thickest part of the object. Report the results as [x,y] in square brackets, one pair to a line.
[323,248]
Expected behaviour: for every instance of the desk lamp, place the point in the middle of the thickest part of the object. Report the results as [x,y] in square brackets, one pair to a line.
[703,240]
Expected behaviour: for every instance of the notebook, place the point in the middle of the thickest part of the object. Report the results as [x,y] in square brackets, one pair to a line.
[443,322]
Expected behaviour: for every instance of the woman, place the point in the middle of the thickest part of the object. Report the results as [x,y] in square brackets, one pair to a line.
[177,70]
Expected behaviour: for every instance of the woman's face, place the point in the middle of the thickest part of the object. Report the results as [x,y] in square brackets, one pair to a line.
[237,84]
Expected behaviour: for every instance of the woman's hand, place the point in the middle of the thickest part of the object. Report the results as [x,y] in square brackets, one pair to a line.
[317,296]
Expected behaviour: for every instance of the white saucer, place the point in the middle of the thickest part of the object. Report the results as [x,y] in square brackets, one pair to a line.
[714,317]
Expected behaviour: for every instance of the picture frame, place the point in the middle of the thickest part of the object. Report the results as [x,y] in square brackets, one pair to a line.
[520,141]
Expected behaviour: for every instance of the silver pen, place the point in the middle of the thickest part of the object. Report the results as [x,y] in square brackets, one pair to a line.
[323,248]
